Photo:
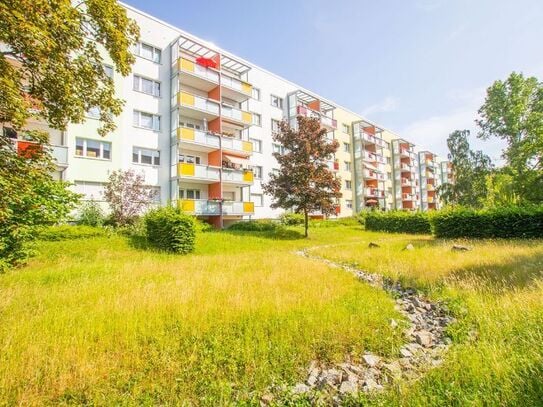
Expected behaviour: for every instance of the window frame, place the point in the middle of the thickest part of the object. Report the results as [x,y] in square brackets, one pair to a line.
[153,158]
[84,149]
[348,185]
[156,118]
[255,89]
[154,50]
[154,84]
[254,114]
[260,197]
[279,99]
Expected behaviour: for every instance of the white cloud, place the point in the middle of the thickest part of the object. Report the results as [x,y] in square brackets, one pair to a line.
[388,104]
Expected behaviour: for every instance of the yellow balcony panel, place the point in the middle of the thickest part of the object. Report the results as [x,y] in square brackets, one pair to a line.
[247,88]
[248,146]
[248,207]
[247,117]
[185,99]
[186,170]
[187,205]
[186,65]
[184,133]
[248,176]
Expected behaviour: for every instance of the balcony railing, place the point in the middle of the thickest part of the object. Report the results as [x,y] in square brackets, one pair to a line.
[237,176]
[198,171]
[242,146]
[59,154]
[370,174]
[371,139]
[198,102]
[374,192]
[368,156]
[237,85]
[238,208]
[324,120]
[187,65]
[243,117]
[198,136]
[200,206]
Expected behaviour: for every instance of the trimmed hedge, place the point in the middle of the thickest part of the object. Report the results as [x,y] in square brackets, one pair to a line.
[506,222]
[396,222]
[170,230]
[69,232]
[254,226]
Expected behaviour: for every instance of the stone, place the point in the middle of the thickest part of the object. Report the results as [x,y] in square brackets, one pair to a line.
[373,245]
[393,324]
[460,248]
[405,353]
[348,387]
[371,360]
[423,338]
[331,377]
[371,385]
[300,388]
[266,399]
[409,247]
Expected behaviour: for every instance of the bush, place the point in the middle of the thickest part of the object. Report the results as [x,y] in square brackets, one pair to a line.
[330,223]
[396,221]
[90,214]
[506,222]
[202,226]
[170,230]
[291,219]
[255,226]
[69,232]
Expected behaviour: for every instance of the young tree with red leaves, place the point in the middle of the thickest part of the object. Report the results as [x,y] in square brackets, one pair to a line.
[304,181]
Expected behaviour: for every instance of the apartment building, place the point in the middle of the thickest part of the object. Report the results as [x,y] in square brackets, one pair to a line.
[198,124]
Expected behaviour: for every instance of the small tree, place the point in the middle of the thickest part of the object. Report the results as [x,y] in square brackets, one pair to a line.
[90,214]
[127,196]
[304,181]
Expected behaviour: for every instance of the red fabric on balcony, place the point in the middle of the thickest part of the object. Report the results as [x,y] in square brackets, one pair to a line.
[27,149]
[207,62]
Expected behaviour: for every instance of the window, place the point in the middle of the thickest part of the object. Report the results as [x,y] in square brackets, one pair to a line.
[92,148]
[189,159]
[275,125]
[229,195]
[345,128]
[257,145]
[94,112]
[257,119]
[278,148]
[347,166]
[190,125]
[146,120]
[257,171]
[348,184]
[276,101]
[145,156]
[148,52]
[147,86]
[388,160]
[90,190]
[189,194]
[256,93]
[108,69]
[349,203]
[347,147]
[258,199]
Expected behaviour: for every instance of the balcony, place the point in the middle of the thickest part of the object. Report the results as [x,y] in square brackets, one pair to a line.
[189,138]
[201,207]
[230,208]
[333,165]
[198,173]
[374,192]
[430,187]
[237,146]
[326,122]
[374,158]
[198,107]
[406,182]
[197,76]
[371,139]
[370,174]
[60,155]
[236,116]
[241,177]
[236,89]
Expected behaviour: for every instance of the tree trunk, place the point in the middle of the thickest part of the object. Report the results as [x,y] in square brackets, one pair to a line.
[306,222]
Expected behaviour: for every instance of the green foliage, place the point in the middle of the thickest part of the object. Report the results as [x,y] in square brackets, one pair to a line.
[330,223]
[500,188]
[53,69]
[291,219]
[501,222]
[263,225]
[304,181]
[397,221]
[69,232]
[91,214]
[471,169]
[202,226]
[170,230]
[513,111]
[29,198]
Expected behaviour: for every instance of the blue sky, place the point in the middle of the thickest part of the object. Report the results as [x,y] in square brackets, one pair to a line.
[418,67]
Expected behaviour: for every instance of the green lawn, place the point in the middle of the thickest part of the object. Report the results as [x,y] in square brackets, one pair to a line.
[101,321]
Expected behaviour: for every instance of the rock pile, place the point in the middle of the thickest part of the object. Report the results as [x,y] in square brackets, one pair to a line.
[426,341]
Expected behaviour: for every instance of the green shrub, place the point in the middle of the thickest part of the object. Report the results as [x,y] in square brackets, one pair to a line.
[202,226]
[330,223]
[69,232]
[90,214]
[263,225]
[505,222]
[291,219]
[170,230]
[396,221]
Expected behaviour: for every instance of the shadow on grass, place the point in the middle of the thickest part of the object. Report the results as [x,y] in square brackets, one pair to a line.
[139,242]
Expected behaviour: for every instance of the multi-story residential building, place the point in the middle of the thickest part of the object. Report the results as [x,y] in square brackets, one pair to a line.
[198,123]
[406,175]
[430,179]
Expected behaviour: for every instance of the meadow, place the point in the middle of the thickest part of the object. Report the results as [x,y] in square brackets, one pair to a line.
[101,321]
